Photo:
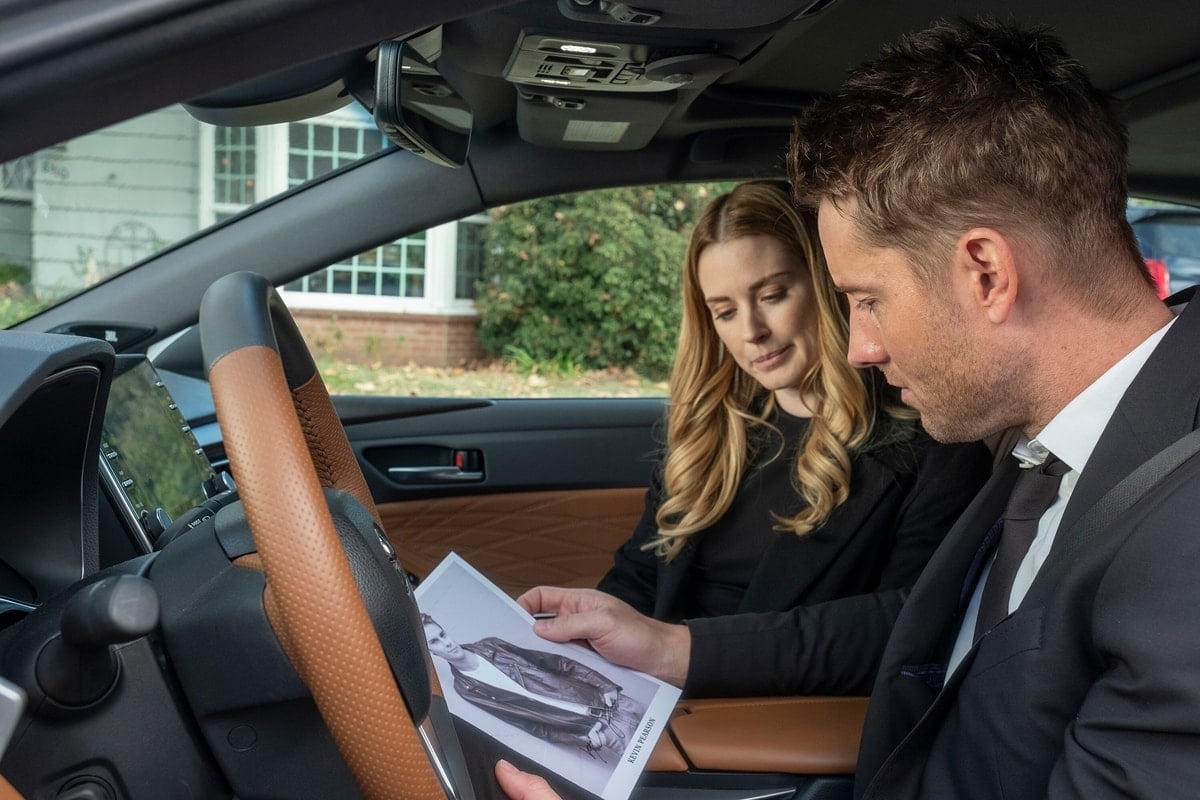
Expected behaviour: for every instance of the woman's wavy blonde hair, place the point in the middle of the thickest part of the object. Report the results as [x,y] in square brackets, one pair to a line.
[714,405]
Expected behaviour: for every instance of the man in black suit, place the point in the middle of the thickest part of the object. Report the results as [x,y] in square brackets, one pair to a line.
[971,187]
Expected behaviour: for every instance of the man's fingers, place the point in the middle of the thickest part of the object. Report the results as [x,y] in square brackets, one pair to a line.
[531,601]
[587,625]
[543,598]
[521,785]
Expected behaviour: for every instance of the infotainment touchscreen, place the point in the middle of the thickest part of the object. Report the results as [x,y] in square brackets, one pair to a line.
[148,450]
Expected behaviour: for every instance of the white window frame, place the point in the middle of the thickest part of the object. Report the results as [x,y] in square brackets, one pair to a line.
[271,178]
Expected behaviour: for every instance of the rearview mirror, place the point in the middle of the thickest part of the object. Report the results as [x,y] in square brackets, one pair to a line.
[417,109]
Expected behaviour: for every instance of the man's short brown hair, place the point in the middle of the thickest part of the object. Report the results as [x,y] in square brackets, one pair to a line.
[972,124]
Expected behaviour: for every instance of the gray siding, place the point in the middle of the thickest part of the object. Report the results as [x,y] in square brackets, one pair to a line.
[107,200]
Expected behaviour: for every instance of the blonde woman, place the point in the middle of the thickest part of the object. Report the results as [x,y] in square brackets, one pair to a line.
[793,507]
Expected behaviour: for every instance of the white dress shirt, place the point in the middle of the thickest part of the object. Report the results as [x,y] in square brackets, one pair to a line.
[1072,436]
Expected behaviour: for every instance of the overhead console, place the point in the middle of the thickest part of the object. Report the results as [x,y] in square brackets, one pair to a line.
[613,82]
[588,65]
[602,94]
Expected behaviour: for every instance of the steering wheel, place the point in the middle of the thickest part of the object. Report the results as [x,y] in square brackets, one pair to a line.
[286,446]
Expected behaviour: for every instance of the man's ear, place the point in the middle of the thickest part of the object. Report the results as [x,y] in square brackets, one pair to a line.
[987,261]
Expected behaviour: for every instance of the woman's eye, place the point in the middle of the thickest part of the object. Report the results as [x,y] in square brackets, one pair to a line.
[774,297]
[865,305]
[723,315]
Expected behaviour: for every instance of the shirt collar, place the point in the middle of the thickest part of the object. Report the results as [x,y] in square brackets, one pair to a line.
[1073,433]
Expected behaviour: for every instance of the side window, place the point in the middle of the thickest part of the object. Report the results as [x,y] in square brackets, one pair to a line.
[568,296]
[1169,237]
[16,253]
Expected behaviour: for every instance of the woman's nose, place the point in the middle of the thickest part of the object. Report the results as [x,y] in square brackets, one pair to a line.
[755,328]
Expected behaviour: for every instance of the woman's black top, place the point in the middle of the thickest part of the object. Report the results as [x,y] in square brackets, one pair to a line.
[774,613]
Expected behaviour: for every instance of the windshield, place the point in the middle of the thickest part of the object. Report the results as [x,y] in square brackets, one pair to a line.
[77,213]
[82,211]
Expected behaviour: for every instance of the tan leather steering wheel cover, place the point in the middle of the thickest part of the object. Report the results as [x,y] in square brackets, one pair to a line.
[332,456]
[311,597]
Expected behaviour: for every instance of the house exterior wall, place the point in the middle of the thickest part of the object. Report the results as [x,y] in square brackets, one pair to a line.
[104,201]
[108,210]
[393,339]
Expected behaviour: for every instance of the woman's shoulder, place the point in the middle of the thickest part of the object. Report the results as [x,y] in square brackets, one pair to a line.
[902,445]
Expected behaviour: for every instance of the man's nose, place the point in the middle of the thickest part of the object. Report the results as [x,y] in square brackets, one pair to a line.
[865,349]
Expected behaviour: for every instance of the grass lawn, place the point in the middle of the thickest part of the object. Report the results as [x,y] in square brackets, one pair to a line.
[490,380]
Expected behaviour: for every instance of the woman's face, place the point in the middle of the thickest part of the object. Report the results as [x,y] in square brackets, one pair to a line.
[761,303]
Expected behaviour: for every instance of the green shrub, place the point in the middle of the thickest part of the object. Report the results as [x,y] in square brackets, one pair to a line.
[14,273]
[16,305]
[589,279]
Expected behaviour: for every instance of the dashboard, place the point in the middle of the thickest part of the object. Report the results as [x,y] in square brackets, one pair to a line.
[80,424]
[155,471]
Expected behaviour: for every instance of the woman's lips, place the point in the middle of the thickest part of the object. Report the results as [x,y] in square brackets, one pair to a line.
[772,359]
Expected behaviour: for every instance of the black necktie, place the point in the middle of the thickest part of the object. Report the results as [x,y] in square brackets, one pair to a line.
[1032,494]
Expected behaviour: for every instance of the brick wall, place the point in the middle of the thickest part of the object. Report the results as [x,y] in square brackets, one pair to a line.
[430,340]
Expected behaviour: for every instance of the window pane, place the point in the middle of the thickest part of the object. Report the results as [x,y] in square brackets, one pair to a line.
[234,164]
[341,281]
[468,259]
[322,137]
[365,283]
[392,255]
[318,281]
[350,141]
[321,165]
[389,284]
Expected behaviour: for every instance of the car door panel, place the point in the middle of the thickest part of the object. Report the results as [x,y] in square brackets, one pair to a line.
[757,747]
[528,491]
[517,539]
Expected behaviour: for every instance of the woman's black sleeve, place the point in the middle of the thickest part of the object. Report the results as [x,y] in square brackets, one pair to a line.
[634,574]
[835,647]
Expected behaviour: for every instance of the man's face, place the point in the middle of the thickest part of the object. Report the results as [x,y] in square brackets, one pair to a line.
[922,340]
[439,643]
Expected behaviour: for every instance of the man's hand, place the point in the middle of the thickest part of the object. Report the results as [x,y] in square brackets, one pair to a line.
[613,629]
[521,785]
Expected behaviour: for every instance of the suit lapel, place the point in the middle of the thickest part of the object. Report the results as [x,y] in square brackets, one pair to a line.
[910,675]
[934,605]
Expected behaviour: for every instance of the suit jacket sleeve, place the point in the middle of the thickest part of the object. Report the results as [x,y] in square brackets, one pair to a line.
[1137,732]
[634,574]
[835,647]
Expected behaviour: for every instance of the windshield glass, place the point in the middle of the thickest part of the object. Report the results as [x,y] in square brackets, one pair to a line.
[76,213]
[84,210]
